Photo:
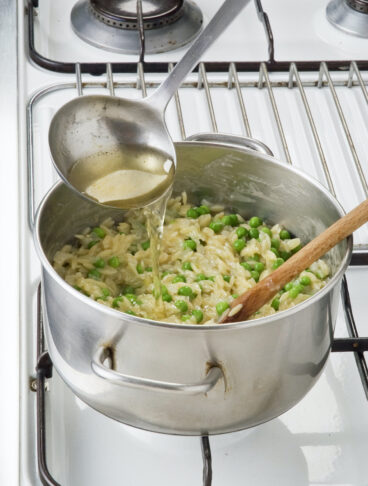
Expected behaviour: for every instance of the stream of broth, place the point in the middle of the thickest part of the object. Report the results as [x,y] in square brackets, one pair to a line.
[130,177]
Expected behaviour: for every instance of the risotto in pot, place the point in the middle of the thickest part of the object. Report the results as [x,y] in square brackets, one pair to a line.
[207,259]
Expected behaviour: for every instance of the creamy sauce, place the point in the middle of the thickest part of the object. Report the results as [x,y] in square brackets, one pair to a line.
[129,177]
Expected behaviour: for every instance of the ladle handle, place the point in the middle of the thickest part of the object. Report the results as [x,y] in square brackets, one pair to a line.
[260,294]
[227,12]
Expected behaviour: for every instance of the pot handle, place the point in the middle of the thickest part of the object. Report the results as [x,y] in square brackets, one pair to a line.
[213,376]
[235,141]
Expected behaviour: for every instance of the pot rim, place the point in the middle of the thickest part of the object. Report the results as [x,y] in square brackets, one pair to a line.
[210,327]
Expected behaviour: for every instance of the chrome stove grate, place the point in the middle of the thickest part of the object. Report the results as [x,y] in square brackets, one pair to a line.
[301,117]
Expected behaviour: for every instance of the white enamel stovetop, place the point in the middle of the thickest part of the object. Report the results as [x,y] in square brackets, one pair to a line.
[321,441]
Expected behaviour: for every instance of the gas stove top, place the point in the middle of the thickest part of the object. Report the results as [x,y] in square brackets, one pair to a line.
[300,31]
[313,115]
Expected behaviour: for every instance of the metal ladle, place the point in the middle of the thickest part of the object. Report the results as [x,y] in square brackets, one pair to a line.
[101,124]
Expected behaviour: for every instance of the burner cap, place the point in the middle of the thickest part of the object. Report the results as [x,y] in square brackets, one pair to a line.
[123,13]
[112,25]
[351,16]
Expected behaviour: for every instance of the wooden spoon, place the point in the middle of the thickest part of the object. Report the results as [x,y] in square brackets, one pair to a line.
[252,300]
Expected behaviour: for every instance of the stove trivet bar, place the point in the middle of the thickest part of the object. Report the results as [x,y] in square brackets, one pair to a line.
[44,371]
[354,344]
[207,461]
[359,343]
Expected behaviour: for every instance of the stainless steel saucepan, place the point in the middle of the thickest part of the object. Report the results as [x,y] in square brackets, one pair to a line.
[188,379]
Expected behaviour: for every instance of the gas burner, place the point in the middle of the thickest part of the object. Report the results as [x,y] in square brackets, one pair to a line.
[112,25]
[351,16]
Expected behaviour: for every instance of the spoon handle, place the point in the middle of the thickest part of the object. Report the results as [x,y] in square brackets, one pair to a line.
[227,12]
[262,292]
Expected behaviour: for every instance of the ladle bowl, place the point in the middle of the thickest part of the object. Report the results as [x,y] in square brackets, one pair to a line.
[96,124]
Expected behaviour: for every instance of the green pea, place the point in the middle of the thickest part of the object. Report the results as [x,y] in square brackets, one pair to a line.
[105,292]
[139,268]
[230,220]
[288,286]
[226,278]
[285,255]
[255,275]
[275,251]
[200,277]
[256,257]
[234,220]
[99,232]
[95,274]
[238,245]
[92,243]
[114,262]
[145,245]
[267,231]
[241,232]
[235,296]
[295,291]
[216,226]
[148,269]
[198,315]
[130,312]
[284,235]
[299,285]
[254,233]
[192,213]
[305,280]
[115,302]
[255,222]
[226,220]
[166,297]
[259,266]
[187,266]
[275,304]
[275,243]
[203,210]
[179,278]
[277,263]
[133,299]
[181,305]
[190,245]
[128,290]
[185,317]
[247,266]
[163,274]
[186,291]
[221,307]
[99,263]
[211,278]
